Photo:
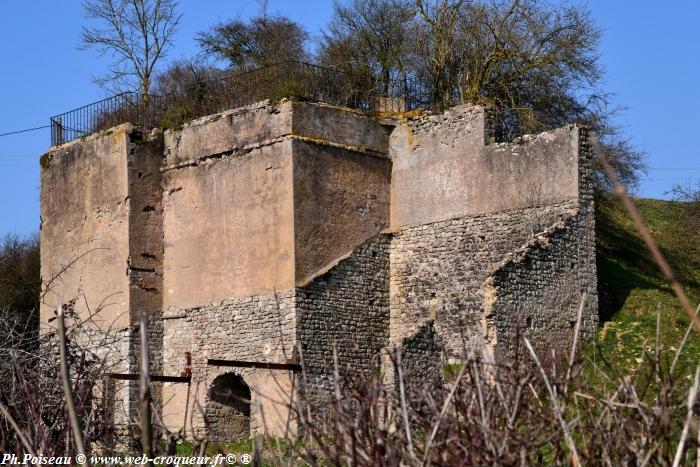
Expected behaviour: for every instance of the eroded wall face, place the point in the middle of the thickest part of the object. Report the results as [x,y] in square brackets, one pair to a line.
[84,230]
[341,198]
[102,231]
[145,261]
[229,227]
[348,129]
[101,226]
[254,231]
[538,291]
[256,202]
[454,278]
[438,271]
[225,132]
[258,328]
[443,169]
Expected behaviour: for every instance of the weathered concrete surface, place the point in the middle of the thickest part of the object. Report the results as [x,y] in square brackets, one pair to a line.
[101,247]
[349,129]
[229,227]
[240,128]
[100,210]
[442,169]
[258,201]
[227,131]
[145,261]
[341,198]
[278,193]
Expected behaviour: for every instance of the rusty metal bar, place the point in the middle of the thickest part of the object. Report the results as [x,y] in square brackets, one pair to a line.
[161,378]
[262,365]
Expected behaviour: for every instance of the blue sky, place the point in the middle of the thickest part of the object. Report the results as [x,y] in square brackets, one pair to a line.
[649,51]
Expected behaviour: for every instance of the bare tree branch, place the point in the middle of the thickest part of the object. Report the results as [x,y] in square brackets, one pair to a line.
[136,34]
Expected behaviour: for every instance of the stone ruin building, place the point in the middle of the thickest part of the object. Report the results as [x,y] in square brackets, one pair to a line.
[256,233]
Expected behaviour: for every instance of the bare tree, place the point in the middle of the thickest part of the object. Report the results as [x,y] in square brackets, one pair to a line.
[527,56]
[136,34]
[20,282]
[690,194]
[534,63]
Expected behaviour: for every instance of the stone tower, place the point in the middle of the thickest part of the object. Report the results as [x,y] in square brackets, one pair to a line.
[272,234]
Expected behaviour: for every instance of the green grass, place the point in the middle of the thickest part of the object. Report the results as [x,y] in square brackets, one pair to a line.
[631,286]
[631,289]
[271,449]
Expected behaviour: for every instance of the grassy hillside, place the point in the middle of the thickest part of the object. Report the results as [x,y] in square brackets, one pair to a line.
[631,287]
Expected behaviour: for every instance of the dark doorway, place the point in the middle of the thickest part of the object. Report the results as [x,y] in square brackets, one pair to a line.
[228,408]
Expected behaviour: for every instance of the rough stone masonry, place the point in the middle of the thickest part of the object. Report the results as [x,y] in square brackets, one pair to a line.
[282,233]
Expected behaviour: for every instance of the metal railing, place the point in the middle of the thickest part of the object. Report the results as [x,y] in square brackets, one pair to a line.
[291,79]
[100,115]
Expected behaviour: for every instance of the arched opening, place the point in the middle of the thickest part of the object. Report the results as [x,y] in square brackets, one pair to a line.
[228,408]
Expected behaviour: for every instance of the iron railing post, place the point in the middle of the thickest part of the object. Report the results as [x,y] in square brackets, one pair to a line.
[59,131]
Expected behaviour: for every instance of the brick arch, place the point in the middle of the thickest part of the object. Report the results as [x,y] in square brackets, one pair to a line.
[228,411]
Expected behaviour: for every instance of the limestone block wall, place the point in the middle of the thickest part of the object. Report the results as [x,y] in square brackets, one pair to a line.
[454,273]
[438,271]
[442,168]
[258,328]
[538,289]
[101,244]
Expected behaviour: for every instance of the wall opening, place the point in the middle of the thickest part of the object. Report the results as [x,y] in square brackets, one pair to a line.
[228,408]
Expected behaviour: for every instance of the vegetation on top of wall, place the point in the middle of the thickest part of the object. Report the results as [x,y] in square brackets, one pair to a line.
[536,64]
[45,161]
